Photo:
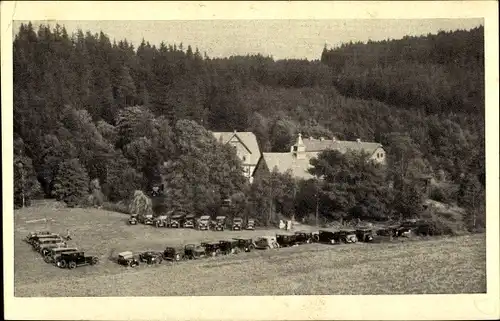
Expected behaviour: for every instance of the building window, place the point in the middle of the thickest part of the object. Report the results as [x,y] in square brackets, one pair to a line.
[244,158]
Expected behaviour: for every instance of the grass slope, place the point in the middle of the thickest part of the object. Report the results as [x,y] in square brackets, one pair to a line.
[445,265]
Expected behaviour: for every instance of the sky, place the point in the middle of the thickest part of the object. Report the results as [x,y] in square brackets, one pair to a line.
[280,39]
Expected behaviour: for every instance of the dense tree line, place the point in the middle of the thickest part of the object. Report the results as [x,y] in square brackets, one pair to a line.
[90,109]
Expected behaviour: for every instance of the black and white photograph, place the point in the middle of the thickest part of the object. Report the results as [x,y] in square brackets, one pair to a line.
[233,158]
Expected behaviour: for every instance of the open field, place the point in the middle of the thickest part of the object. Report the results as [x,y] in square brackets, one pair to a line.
[444,265]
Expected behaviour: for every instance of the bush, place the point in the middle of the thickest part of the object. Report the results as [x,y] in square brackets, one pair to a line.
[441,223]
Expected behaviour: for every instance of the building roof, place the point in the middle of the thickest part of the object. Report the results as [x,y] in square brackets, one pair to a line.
[317,145]
[287,161]
[247,139]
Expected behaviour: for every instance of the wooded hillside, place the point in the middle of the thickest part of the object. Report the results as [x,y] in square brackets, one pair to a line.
[89,107]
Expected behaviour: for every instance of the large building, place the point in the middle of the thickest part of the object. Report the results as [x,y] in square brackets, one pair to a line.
[246,146]
[297,161]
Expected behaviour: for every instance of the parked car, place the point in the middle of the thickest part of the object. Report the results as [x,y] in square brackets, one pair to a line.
[34,240]
[189,221]
[127,258]
[347,236]
[194,251]
[204,222]
[211,248]
[220,223]
[364,235]
[151,257]
[285,240]
[304,237]
[237,224]
[229,247]
[32,235]
[161,221]
[147,219]
[325,236]
[266,242]
[176,220]
[75,259]
[55,253]
[133,219]
[251,224]
[173,254]
[48,243]
[246,245]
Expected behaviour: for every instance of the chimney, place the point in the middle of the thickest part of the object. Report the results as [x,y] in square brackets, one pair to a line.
[358,140]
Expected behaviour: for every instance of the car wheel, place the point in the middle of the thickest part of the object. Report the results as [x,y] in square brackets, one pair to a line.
[95,260]
[251,247]
[47,259]
[45,252]
[72,265]
[309,241]
[62,264]
[316,238]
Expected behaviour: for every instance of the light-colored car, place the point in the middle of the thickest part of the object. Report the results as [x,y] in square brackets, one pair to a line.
[266,242]
[204,222]
[45,246]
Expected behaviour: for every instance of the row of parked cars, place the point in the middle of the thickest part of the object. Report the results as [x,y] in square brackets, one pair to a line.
[55,250]
[238,245]
[204,222]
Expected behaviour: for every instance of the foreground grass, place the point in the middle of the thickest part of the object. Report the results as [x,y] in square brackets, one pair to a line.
[447,265]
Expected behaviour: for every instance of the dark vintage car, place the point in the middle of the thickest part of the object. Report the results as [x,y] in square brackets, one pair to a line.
[250,224]
[285,240]
[347,236]
[176,221]
[304,237]
[132,219]
[220,223]
[211,248]
[365,235]
[55,253]
[161,221]
[151,257]
[237,224]
[245,245]
[204,222]
[173,254]
[127,258]
[194,251]
[189,221]
[75,259]
[229,247]
[325,236]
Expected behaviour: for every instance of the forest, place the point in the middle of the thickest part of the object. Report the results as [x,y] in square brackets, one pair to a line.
[95,120]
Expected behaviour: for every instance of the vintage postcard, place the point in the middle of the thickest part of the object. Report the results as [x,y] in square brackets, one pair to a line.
[250,160]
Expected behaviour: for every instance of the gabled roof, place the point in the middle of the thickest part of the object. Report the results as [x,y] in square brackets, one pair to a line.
[317,145]
[287,161]
[248,139]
